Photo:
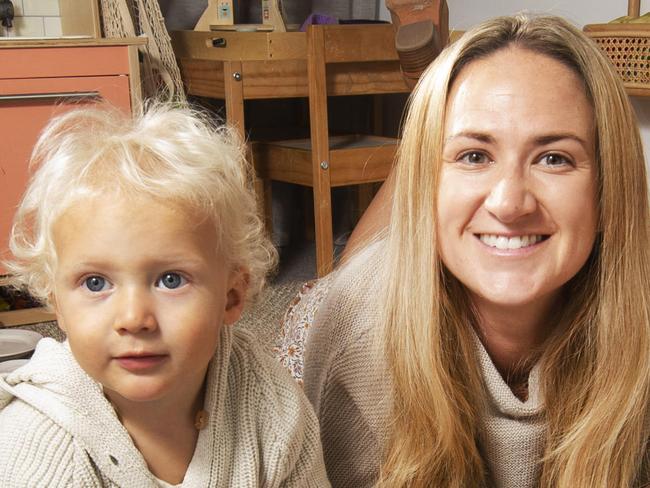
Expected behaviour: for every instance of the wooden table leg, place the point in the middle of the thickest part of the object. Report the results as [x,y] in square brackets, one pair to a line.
[234,92]
[234,88]
[320,154]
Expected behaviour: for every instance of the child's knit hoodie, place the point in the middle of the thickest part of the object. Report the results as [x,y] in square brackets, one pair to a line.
[58,429]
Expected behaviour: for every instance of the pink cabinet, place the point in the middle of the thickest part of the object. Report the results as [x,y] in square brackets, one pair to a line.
[39,80]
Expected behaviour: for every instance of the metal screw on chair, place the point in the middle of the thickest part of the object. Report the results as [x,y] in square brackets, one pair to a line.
[324,165]
[237,76]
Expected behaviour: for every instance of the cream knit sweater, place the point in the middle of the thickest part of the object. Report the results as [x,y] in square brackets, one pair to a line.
[57,428]
[346,379]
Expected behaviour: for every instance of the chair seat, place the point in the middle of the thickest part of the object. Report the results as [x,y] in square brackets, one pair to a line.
[354,159]
[348,141]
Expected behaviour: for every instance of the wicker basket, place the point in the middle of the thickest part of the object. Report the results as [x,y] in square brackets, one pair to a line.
[628,48]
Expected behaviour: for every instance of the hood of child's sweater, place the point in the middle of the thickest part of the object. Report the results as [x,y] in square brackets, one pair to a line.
[54,373]
[53,384]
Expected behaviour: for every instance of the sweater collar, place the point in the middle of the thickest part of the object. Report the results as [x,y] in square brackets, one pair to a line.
[499,393]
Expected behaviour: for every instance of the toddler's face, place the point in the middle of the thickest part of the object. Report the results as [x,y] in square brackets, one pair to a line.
[142,292]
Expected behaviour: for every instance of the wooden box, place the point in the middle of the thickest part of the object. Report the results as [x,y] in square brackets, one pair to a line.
[80,18]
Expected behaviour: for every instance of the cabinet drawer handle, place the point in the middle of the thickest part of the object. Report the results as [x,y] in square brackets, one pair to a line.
[46,96]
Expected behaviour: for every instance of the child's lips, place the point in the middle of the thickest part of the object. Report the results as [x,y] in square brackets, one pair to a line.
[141,361]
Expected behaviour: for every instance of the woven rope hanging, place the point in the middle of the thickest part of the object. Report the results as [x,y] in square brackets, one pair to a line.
[160,75]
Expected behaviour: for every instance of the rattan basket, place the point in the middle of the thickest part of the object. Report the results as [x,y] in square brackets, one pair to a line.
[628,48]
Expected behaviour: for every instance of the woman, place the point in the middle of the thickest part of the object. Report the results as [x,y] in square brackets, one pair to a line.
[499,335]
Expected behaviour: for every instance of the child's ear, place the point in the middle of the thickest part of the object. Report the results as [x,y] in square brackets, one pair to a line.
[235,296]
[55,308]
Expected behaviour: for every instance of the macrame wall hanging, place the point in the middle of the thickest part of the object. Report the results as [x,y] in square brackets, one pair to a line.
[160,75]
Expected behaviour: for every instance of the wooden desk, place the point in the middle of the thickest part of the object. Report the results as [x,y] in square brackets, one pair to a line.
[257,65]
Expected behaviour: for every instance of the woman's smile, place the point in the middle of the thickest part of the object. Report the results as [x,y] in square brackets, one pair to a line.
[511,243]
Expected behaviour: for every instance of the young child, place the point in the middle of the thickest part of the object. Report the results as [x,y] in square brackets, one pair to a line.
[142,235]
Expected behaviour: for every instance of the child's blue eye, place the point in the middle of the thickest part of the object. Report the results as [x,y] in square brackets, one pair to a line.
[171,280]
[95,283]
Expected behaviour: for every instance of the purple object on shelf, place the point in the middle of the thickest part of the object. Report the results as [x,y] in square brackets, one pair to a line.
[318,19]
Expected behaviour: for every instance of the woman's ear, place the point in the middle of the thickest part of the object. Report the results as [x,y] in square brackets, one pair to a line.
[235,296]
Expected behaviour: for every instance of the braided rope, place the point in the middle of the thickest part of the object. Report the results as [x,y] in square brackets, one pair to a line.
[131,18]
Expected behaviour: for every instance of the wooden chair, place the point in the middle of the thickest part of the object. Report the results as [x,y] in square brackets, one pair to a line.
[341,60]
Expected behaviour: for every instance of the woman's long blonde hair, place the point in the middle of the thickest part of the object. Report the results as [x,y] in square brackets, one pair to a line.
[595,369]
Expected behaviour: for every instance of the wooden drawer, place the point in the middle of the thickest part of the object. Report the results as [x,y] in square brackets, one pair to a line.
[54,62]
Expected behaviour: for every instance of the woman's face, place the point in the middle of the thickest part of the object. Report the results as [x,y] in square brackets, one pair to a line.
[517,212]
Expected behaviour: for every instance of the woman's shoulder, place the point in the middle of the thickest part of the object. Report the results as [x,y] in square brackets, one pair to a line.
[344,347]
[350,313]
[362,270]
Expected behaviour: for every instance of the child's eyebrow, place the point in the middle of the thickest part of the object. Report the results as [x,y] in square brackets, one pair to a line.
[170,262]
[90,266]
[176,261]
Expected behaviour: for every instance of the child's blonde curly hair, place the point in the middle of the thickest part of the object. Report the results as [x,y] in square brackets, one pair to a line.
[168,153]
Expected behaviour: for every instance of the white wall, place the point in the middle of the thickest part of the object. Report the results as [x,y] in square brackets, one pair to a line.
[465,13]
[34,18]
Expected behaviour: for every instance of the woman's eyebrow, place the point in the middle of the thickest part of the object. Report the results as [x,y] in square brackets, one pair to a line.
[479,136]
[551,138]
[539,140]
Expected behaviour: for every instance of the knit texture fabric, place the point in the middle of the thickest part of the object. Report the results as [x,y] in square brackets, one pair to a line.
[58,429]
[347,380]
[345,375]
[513,429]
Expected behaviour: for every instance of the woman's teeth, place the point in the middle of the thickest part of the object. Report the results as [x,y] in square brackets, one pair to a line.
[503,242]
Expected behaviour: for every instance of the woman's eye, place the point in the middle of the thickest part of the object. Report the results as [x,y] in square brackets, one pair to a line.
[554,160]
[474,157]
[96,283]
[171,281]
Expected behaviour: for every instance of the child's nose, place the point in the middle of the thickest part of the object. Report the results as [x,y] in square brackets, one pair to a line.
[135,313]
[510,198]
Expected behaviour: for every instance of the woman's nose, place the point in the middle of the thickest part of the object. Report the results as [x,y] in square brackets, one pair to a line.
[135,313]
[510,198]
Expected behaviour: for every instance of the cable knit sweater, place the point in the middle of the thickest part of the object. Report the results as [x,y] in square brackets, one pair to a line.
[347,381]
[58,429]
